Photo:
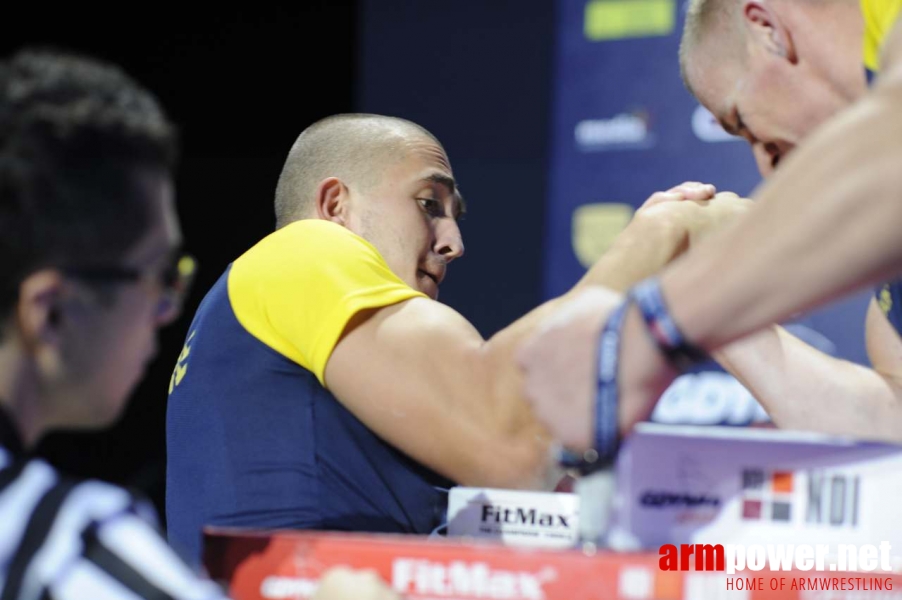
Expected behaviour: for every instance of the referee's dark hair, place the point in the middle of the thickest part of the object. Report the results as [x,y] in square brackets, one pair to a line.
[72,129]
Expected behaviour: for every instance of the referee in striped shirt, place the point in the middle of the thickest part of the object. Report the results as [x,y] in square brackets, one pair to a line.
[87,236]
[90,268]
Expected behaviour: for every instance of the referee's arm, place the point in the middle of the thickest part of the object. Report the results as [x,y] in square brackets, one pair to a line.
[75,540]
[127,555]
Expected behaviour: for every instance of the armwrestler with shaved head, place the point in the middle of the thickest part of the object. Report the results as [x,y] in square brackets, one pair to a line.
[323,386]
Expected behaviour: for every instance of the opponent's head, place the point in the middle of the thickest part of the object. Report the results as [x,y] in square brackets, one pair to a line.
[773,70]
[387,180]
[87,234]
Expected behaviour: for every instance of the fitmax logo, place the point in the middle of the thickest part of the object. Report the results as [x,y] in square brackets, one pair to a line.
[471,580]
[522,516]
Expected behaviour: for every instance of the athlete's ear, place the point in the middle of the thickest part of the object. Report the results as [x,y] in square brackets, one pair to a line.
[333,201]
[765,28]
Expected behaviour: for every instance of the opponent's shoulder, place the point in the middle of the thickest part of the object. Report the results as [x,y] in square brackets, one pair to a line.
[879,18]
[882,329]
[889,40]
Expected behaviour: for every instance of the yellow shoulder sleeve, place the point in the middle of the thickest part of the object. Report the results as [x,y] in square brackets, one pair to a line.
[296,290]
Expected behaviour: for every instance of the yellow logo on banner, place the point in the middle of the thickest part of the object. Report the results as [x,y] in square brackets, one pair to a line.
[594,228]
[619,19]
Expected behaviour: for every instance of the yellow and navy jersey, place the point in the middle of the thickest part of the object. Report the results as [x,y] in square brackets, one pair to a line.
[254,438]
[879,18]
[889,299]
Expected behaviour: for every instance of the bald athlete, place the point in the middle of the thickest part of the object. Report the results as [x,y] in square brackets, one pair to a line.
[322,386]
[826,222]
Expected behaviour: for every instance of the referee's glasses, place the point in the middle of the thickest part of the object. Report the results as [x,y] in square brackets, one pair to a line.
[174,280]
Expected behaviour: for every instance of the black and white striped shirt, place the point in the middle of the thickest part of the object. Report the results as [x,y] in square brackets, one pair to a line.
[68,539]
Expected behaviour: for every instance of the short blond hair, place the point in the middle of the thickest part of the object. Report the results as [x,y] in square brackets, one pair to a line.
[702,18]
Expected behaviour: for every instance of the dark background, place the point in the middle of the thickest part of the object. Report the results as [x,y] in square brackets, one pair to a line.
[243,83]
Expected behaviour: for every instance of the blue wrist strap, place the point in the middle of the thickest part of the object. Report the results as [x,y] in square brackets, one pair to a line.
[607,425]
[681,353]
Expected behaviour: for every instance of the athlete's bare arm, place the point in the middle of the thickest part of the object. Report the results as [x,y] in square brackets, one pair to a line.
[422,377]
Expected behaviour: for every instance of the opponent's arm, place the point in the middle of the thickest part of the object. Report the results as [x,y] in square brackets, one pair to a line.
[827,222]
[803,388]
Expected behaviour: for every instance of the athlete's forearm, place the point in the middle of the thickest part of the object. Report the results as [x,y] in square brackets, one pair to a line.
[803,388]
[645,247]
[641,250]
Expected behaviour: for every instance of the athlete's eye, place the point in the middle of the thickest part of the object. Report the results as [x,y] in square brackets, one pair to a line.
[433,207]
